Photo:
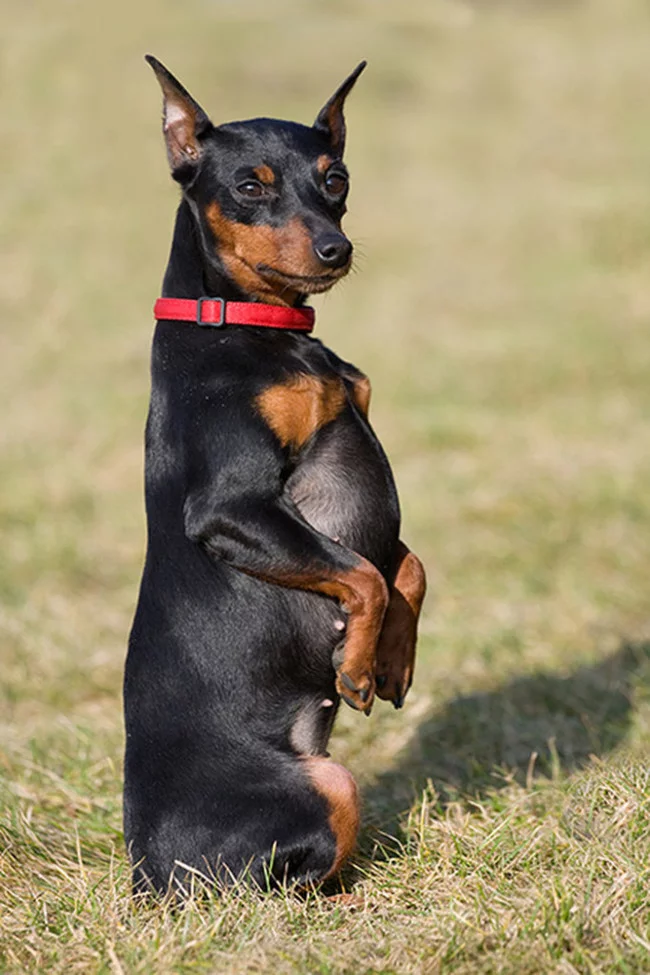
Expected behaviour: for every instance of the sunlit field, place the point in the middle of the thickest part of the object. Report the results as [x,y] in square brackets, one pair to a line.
[500,159]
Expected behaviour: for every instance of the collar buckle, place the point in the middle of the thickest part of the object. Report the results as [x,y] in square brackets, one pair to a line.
[218,323]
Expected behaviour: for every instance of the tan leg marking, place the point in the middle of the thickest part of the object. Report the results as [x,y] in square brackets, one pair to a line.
[363,594]
[339,789]
[396,646]
[361,390]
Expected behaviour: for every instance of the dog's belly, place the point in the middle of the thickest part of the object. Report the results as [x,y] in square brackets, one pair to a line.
[344,488]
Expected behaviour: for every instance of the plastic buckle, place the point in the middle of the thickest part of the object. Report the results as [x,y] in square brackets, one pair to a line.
[199,313]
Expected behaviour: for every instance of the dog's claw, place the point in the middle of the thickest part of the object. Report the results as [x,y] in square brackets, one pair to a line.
[398,701]
[350,702]
[348,682]
[360,696]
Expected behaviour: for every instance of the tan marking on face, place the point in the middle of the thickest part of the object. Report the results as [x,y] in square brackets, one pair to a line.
[242,247]
[338,788]
[323,163]
[265,174]
[297,409]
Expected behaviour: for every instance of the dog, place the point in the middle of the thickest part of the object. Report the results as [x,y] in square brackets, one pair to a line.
[275,583]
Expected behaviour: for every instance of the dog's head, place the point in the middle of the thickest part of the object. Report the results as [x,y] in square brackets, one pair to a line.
[269,195]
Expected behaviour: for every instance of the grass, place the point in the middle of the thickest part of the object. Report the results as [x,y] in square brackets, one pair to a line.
[501,204]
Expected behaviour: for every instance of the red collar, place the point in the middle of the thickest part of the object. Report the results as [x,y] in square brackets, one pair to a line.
[215,312]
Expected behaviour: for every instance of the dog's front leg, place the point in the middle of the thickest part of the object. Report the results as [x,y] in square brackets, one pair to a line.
[396,647]
[264,536]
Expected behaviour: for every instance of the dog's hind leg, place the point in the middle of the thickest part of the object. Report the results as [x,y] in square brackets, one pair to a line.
[338,788]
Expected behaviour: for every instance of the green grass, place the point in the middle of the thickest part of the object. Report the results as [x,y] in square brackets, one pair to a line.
[501,203]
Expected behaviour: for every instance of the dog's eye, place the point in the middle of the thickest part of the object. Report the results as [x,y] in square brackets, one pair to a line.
[251,189]
[336,184]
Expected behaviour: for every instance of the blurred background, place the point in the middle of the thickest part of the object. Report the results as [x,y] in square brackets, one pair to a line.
[500,160]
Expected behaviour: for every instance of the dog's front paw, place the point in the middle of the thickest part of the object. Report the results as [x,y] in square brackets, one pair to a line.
[398,637]
[354,684]
[395,661]
[357,689]
[393,681]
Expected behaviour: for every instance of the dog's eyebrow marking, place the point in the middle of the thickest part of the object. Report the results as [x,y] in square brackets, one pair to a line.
[265,174]
[299,407]
[323,163]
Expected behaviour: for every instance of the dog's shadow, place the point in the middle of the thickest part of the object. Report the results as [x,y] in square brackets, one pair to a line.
[479,742]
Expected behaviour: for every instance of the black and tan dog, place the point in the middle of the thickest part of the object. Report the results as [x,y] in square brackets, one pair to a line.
[275,582]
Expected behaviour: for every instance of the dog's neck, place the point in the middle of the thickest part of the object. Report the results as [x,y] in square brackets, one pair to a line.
[191,273]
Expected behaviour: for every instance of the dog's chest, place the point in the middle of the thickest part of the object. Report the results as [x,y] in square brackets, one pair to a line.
[344,487]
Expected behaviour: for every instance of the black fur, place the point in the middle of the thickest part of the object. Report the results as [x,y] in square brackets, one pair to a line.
[220,662]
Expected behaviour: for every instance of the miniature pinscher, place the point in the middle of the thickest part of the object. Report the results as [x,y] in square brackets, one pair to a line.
[275,582]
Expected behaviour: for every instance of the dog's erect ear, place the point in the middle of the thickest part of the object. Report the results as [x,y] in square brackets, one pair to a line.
[330,120]
[184,123]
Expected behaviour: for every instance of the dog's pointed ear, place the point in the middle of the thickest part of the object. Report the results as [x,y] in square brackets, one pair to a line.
[330,120]
[184,123]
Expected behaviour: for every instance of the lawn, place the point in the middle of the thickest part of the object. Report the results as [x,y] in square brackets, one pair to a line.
[500,155]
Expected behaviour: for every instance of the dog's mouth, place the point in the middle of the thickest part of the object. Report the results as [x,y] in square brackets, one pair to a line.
[306,284]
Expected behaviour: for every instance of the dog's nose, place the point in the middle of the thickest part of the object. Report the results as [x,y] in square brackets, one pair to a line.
[333,250]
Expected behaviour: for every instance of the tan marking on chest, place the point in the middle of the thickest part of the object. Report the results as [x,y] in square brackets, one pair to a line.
[298,408]
[361,391]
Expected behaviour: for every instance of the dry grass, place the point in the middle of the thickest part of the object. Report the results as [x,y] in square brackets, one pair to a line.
[501,199]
